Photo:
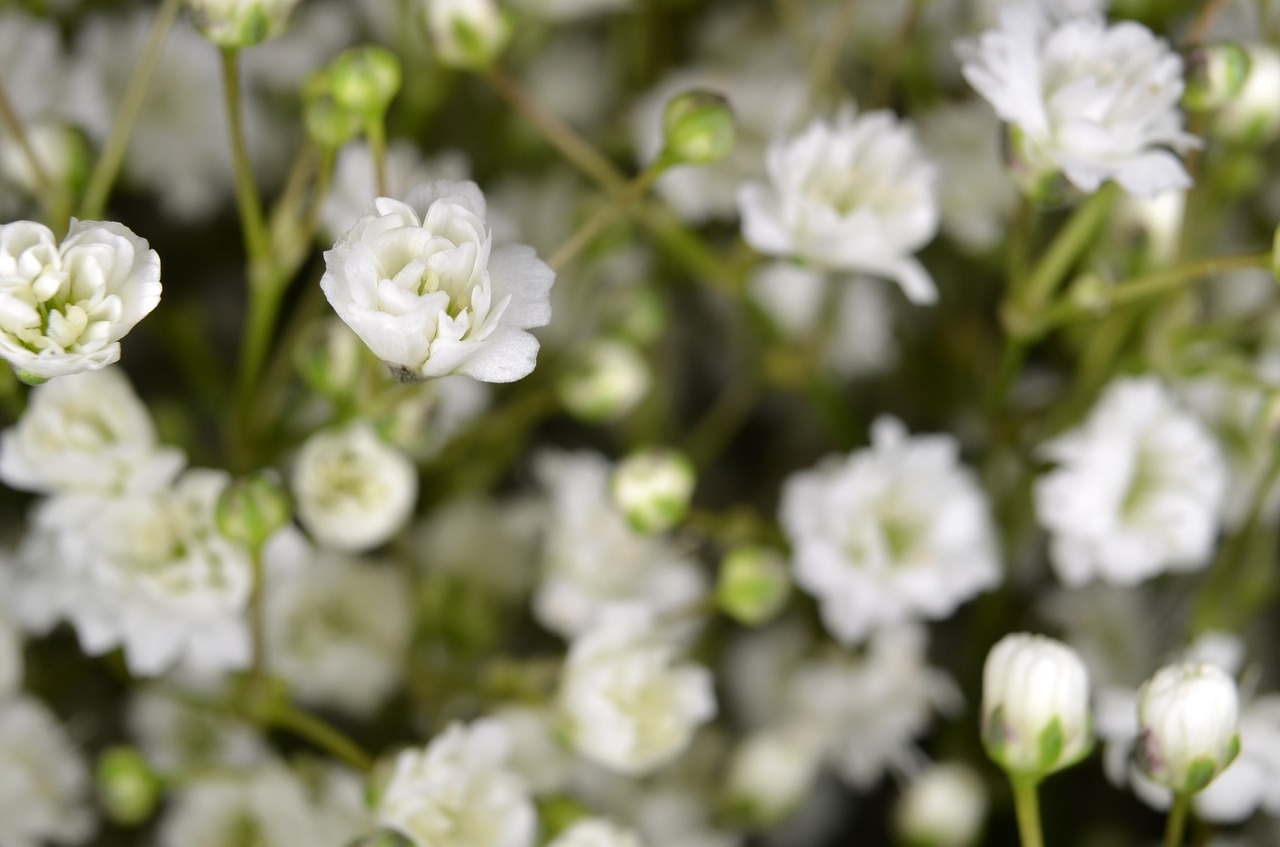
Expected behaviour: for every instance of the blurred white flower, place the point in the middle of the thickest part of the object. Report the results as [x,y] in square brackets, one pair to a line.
[593,559]
[175,735]
[65,307]
[1136,492]
[240,23]
[421,284]
[537,755]
[490,543]
[467,33]
[856,195]
[45,797]
[1188,719]
[945,806]
[631,706]
[1252,116]
[771,774]
[898,531]
[354,187]
[1095,101]
[596,832]
[86,433]
[353,491]
[459,792]
[605,381]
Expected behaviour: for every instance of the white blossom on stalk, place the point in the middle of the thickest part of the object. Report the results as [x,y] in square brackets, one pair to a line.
[597,832]
[631,706]
[45,796]
[240,23]
[65,306]
[459,792]
[421,283]
[772,773]
[1092,100]
[855,195]
[1136,492]
[86,433]
[891,533]
[1189,722]
[352,490]
[467,33]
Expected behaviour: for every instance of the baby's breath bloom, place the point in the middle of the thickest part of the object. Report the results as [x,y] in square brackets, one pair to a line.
[944,807]
[64,307]
[1189,715]
[467,33]
[421,283]
[597,832]
[240,23]
[46,782]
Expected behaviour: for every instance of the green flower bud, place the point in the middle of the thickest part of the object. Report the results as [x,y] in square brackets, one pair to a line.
[653,488]
[698,128]
[753,586]
[240,23]
[128,788]
[331,358]
[1215,74]
[605,382]
[251,509]
[329,124]
[365,80]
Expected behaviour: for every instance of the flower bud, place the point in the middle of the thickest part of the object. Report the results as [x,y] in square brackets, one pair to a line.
[1188,715]
[944,807]
[770,775]
[467,33]
[250,510]
[652,488]
[63,154]
[1252,116]
[329,124]
[698,128]
[330,359]
[753,585]
[240,23]
[365,80]
[127,787]
[605,383]
[1215,74]
[1035,706]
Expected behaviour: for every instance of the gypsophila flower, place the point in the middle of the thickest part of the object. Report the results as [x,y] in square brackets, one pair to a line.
[1188,718]
[597,832]
[891,533]
[421,283]
[943,807]
[352,490]
[771,774]
[467,33]
[64,307]
[856,195]
[45,798]
[1136,492]
[240,23]
[175,735]
[537,754]
[1093,101]
[459,792]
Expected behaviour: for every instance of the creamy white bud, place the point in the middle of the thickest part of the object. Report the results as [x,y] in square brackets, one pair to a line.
[1035,705]
[241,23]
[771,774]
[605,382]
[1188,716]
[467,33]
[652,488]
[944,807]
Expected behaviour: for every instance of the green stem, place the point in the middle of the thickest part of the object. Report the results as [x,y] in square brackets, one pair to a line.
[1177,820]
[1026,804]
[252,222]
[1065,249]
[19,131]
[320,733]
[108,165]
[600,221]
[258,622]
[376,132]
[826,58]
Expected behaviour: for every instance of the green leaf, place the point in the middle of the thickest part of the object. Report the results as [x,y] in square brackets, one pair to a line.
[1051,743]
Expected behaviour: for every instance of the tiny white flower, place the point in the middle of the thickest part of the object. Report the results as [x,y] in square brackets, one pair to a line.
[1252,116]
[46,781]
[943,807]
[459,792]
[421,283]
[597,832]
[1136,492]
[353,491]
[175,735]
[1093,100]
[891,533]
[856,195]
[65,306]
[605,381]
[1035,705]
[467,33]
[1188,716]
[771,774]
[630,705]
[86,433]
[240,23]
[653,488]
[538,755]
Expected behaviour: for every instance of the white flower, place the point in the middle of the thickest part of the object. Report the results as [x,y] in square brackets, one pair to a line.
[1136,492]
[354,185]
[1188,717]
[597,832]
[337,628]
[467,33]
[653,488]
[422,285]
[46,783]
[630,705]
[175,735]
[537,755]
[771,774]
[943,807]
[65,307]
[240,23]
[1095,101]
[353,491]
[459,792]
[592,559]
[86,433]
[1252,116]
[488,543]
[605,381]
[890,533]
[856,195]
[1035,705]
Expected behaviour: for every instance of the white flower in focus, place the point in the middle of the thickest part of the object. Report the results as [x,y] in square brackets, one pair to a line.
[597,832]
[630,705]
[354,186]
[591,557]
[1095,101]
[1035,705]
[353,492]
[60,150]
[467,33]
[459,792]
[45,796]
[1188,717]
[943,807]
[86,433]
[605,381]
[422,285]
[855,195]
[65,307]
[891,533]
[240,23]
[1136,492]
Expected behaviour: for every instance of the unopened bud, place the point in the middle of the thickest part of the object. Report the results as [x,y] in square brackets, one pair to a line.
[128,788]
[240,23]
[467,34]
[944,807]
[329,124]
[753,584]
[1215,74]
[698,128]
[251,509]
[605,382]
[365,79]
[770,774]
[1188,716]
[330,360]
[653,488]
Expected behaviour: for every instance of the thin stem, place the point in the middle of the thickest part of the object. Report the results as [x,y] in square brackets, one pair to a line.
[108,165]
[258,621]
[826,58]
[601,220]
[251,220]
[320,733]
[1026,804]
[891,64]
[1177,820]
[1065,249]
[1203,23]
[376,132]
[19,131]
